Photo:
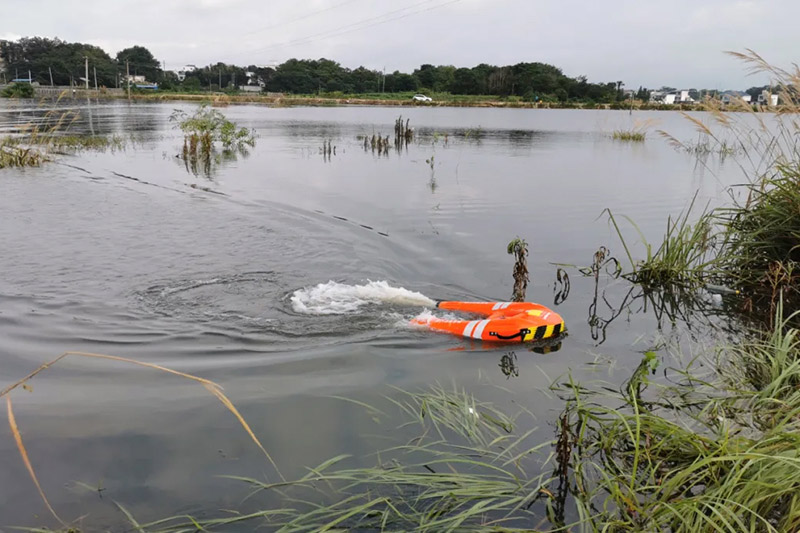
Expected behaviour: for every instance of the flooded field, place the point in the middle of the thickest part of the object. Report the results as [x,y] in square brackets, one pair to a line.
[289,276]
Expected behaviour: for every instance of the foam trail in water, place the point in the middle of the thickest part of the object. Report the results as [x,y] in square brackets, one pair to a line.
[422,319]
[337,298]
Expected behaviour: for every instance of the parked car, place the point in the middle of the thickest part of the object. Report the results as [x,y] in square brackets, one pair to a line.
[421,98]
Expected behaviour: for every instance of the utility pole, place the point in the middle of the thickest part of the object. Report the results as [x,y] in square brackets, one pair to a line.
[220,78]
[50,70]
[86,58]
[30,80]
[95,78]
[383,88]
[128,73]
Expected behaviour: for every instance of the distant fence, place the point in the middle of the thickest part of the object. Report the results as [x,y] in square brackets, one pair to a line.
[75,92]
[66,91]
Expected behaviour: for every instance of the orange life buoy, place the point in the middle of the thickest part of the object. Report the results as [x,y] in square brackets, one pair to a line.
[505,322]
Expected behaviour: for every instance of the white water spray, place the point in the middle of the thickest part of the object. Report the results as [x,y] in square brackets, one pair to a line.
[338,298]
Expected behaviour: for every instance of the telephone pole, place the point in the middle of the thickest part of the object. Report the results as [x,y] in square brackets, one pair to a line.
[86,58]
[128,77]
[95,78]
[50,70]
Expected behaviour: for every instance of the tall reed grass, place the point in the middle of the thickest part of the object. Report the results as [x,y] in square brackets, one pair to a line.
[51,134]
[751,244]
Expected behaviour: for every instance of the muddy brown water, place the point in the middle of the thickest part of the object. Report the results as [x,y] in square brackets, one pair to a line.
[131,254]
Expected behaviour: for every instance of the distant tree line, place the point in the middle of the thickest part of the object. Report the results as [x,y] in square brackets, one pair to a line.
[528,81]
[65,62]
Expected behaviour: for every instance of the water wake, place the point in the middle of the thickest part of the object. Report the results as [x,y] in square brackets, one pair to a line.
[338,298]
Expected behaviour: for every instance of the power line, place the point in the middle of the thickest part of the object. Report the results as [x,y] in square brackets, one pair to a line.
[297,19]
[339,31]
[316,36]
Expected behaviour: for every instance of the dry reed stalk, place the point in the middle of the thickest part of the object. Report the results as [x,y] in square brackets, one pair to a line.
[214,388]
[12,422]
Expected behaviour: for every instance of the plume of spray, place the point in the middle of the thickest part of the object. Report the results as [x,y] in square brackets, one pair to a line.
[338,298]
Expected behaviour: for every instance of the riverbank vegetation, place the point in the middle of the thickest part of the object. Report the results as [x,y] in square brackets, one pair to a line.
[750,244]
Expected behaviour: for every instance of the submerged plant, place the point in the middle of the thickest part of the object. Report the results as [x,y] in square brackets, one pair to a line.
[14,155]
[203,130]
[628,135]
[209,126]
[519,248]
[403,134]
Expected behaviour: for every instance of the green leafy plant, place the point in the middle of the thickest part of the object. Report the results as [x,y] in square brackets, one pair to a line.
[203,130]
[208,126]
[18,90]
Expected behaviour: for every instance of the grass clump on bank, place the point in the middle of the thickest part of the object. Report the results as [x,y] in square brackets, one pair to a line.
[751,245]
[685,259]
[714,452]
[763,242]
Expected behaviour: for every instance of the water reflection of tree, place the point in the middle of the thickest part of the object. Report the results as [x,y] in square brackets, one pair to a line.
[206,164]
[508,365]
[508,361]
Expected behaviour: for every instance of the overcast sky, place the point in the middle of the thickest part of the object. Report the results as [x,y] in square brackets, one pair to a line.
[642,42]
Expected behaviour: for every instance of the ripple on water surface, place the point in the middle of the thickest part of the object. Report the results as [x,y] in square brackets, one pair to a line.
[256,307]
